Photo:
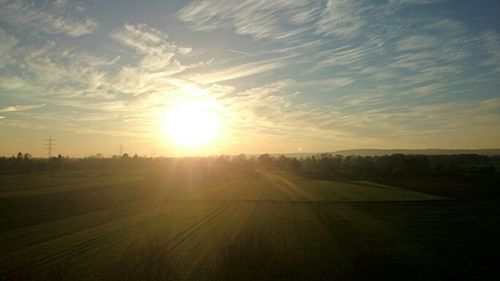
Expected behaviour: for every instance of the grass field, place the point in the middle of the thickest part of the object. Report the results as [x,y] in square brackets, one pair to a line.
[268,226]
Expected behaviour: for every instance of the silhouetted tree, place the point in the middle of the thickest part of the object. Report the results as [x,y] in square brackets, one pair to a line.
[27,164]
[265,160]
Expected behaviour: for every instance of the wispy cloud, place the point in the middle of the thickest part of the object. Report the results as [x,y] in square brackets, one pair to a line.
[14,83]
[244,53]
[21,107]
[66,72]
[259,19]
[282,19]
[22,124]
[53,18]
[343,18]
[234,72]
[491,43]
[7,41]
[416,42]
[147,40]
[398,4]
[154,45]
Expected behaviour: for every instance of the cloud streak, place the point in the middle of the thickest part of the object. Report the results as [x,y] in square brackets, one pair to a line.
[259,19]
[52,18]
[235,72]
[281,19]
[15,108]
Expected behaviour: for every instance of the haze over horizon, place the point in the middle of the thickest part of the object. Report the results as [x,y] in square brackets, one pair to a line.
[226,77]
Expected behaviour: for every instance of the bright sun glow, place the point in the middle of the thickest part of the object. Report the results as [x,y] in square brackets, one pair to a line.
[192,124]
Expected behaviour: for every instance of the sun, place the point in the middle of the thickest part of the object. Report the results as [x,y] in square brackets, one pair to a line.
[192,124]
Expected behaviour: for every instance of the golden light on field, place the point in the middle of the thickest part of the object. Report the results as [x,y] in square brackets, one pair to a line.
[192,124]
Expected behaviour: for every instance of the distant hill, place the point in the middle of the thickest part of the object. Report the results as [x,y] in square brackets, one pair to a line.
[431,151]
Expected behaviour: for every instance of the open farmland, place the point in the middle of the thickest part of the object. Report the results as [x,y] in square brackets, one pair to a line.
[266,225]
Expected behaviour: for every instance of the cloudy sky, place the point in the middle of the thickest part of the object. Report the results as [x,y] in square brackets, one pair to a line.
[286,76]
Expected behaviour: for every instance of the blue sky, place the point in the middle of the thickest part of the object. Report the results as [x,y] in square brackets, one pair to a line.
[286,76]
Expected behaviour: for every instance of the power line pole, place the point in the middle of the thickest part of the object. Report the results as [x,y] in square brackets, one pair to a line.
[50,145]
[121,150]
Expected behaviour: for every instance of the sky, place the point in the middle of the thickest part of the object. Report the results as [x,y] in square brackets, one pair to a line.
[284,76]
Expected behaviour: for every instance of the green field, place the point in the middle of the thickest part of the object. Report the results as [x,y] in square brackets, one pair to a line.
[268,226]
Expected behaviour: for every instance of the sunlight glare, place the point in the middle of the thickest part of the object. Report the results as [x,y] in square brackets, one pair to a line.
[191,124]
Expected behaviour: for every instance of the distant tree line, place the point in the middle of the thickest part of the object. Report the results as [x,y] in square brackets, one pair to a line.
[324,166]
[25,163]
[328,166]
[461,175]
